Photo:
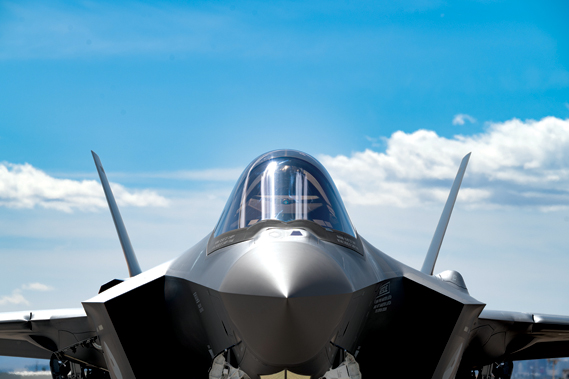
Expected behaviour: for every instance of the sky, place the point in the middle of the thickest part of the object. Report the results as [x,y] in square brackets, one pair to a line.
[178,97]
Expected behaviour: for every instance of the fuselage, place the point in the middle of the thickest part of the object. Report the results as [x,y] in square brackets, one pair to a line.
[282,297]
[285,299]
[279,301]
[284,282]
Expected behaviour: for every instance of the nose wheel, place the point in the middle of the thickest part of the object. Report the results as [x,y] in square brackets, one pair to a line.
[222,369]
[348,369]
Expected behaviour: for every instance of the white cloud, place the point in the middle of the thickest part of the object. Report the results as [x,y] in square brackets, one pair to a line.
[23,186]
[15,298]
[460,119]
[513,163]
[37,287]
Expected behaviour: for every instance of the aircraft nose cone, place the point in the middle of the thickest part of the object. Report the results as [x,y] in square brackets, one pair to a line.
[286,300]
[286,270]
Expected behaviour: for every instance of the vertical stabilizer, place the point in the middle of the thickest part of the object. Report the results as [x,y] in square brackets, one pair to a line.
[131,261]
[437,241]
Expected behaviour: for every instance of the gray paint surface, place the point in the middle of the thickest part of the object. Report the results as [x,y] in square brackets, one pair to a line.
[284,296]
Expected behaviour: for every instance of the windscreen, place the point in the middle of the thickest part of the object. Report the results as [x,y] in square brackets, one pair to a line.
[285,188]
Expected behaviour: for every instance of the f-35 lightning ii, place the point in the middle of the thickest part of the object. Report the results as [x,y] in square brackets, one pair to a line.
[283,287]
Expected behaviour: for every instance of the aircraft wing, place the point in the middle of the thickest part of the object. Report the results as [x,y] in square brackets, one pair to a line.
[39,334]
[511,336]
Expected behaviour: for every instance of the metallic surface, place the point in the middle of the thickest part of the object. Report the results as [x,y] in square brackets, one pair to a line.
[285,296]
[131,261]
[454,278]
[437,241]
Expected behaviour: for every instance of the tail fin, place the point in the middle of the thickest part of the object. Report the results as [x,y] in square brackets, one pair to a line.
[131,261]
[433,253]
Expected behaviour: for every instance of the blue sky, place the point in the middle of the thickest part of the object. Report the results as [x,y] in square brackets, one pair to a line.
[217,76]
[177,97]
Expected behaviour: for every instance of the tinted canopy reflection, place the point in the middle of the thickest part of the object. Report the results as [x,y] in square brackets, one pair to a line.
[285,185]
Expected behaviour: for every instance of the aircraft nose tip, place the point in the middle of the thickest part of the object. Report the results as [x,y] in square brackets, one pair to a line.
[286,301]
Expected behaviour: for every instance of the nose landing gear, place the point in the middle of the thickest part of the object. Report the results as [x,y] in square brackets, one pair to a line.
[222,369]
[349,368]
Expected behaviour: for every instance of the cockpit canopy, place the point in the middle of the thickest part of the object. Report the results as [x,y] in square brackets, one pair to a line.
[285,185]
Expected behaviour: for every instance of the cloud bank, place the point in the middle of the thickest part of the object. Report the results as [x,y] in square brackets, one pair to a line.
[23,186]
[514,163]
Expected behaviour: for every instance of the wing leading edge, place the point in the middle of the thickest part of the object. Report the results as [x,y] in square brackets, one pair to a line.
[500,336]
[40,334]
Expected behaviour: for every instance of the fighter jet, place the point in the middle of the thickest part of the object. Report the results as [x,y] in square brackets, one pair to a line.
[283,287]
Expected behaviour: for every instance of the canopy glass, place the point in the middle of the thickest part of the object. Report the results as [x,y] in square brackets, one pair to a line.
[285,185]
